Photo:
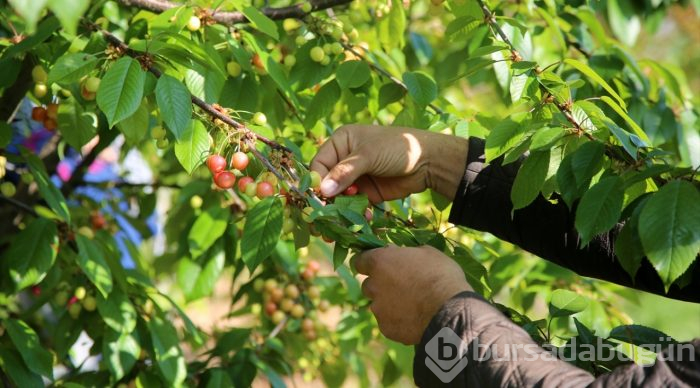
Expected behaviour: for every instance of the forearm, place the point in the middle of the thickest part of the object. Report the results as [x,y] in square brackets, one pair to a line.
[546,229]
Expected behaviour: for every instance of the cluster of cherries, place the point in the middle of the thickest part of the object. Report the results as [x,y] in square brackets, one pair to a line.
[46,115]
[281,302]
[226,179]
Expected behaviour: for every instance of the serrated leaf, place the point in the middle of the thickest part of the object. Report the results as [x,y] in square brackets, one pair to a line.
[209,226]
[640,335]
[530,179]
[352,74]
[48,190]
[322,104]
[462,26]
[261,22]
[564,303]
[517,86]
[421,87]
[35,356]
[175,103]
[121,90]
[669,227]
[121,350]
[69,12]
[193,147]
[545,137]
[71,68]
[166,347]
[261,232]
[77,126]
[600,208]
[207,278]
[117,311]
[135,127]
[92,262]
[628,245]
[592,75]
[504,136]
[587,161]
[32,253]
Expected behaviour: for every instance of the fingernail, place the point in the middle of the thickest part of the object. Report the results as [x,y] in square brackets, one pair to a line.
[329,187]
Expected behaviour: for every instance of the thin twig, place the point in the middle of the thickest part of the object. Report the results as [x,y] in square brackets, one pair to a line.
[24,207]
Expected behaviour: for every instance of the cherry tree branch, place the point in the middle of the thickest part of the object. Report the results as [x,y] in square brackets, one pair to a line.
[225,17]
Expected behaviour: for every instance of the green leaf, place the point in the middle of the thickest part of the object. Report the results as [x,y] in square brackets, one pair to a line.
[70,68]
[135,127]
[586,162]
[517,86]
[121,90]
[392,29]
[175,103]
[390,92]
[30,11]
[352,74]
[206,279]
[600,208]
[261,232]
[546,137]
[166,347]
[322,104]
[628,245]
[530,179]
[591,74]
[32,253]
[93,264]
[209,226]
[669,228]
[635,127]
[69,12]
[193,148]
[421,87]
[462,26]
[504,136]
[340,253]
[564,303]
[47,189]
[261,22]
[624,21]
[640,335]
[117,311]
[13,365]
[34,354]
[77,126]
[121,350]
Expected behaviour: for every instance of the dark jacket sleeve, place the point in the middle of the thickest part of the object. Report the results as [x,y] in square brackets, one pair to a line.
[491,351]
[482,202]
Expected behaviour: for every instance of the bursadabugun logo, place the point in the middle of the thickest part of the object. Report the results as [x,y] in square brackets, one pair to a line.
[446,355]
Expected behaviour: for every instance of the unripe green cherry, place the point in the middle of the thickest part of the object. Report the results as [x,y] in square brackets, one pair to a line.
[278,316]
[306,214]
[162,143]
[40,90]
[194,23]
[258,285]
[300,40]
[326,61]
[39,74]
[196,202]
[290,24]
[259,118]
[74,310]
[92,84]
[297,311]
[337,48]
[306,7]
[315,180]
[327,47]
[8,189]
[80,293]
[290,60]
[158,132]
[90,303]
[233,69]
[251,189]
[317,54]
[287,225]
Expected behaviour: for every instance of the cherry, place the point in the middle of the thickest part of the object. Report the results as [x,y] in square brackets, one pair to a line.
[313,265]
[233,69]
[270,308]
[323,306]
[80,293]
[92,84]
[97,220]
[307,324]
[73,299]
[52,111]
[158,132]
[286,304]
[86,94]
[40,90]
[313,292]
[290,60]
[196,202]
[351,190]
[259,118]
[287,225]
[317,54]
[297,311]
[38,113]
[306,7]
[278,317]
[244,182]
[308,274]
[216,163]
[276,295]
[264,190]
[240,160]
[368,214]
[36,290]
[224,179]
[90,303]
[39,74]
[315,180]
[194,23]
[270,284]
[50,124]
[269,178]
[292,291]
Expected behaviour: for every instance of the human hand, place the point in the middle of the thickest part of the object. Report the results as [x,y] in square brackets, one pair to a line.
[407,287]
[390,162]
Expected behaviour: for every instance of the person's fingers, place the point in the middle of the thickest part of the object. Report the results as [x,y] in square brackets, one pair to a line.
[365,262]
[331,152]
[343,174]
[368,288]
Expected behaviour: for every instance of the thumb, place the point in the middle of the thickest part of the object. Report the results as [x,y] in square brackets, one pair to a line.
[343,175]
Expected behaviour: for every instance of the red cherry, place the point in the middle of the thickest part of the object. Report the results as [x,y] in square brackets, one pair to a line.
[224,179]
[351,190]
[313,266]
[72,300]
[50,124]
[270,308]
[98,220]
[38,113]
[244,182]
[308,274]
[264,190]
[216,163]
[36,290]
[368,214]
[239,161]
